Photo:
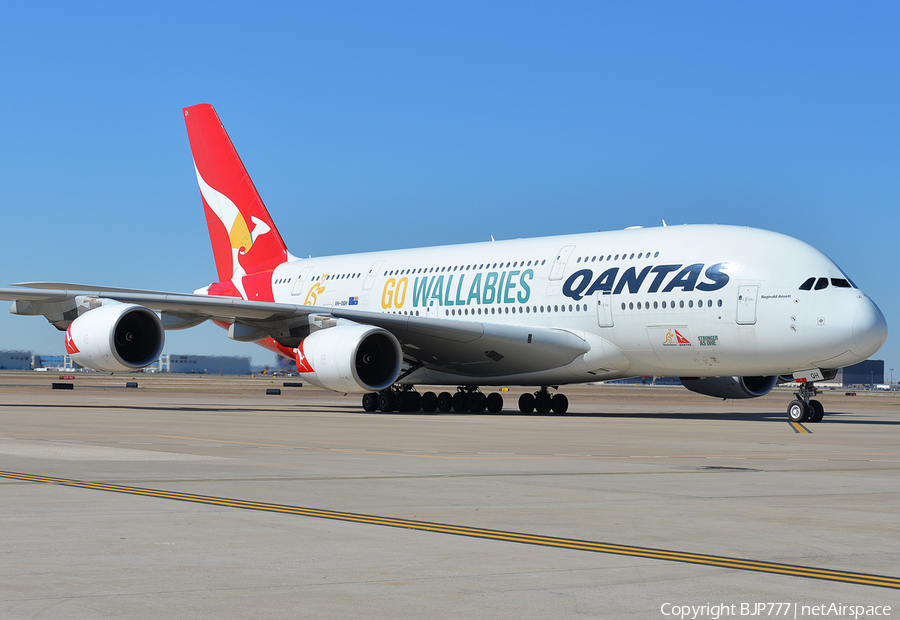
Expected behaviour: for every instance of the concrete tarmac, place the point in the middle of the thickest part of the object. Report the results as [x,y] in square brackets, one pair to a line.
[751,508]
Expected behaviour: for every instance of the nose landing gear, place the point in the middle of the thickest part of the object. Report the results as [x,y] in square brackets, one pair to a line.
[803,409]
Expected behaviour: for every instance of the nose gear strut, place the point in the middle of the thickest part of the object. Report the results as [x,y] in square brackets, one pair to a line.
[803,409]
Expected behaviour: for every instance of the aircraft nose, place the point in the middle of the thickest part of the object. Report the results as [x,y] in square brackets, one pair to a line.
[869,328]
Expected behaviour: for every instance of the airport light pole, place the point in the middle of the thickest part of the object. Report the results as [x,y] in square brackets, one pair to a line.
[892,375]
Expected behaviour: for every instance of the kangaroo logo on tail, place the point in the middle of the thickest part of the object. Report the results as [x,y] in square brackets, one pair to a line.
[243,235]
[239,234]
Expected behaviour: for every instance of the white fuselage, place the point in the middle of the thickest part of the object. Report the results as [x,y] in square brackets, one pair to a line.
[680,300]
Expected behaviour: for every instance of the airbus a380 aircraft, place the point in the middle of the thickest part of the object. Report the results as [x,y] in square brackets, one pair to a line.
[730,310]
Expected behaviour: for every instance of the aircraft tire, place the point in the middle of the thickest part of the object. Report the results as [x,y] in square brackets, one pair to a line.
[542,403]
[559,403]
[460,402]
[798,411]
[386,402]
[429,402]
[816,411]
[411,402]
[370,401]
[445,402]
[495,402]
[526,403]
[477,402]
[402,402]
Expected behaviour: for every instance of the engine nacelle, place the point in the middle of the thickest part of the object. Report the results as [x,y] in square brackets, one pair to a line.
[350,358]
[117,337]
[731,387]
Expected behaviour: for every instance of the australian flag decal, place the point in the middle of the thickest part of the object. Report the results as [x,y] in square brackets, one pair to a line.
[354,301]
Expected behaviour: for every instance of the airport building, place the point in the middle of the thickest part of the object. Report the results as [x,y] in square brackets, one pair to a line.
[869,372]
[62,363]
[203,364]
[15,360]
[197,364]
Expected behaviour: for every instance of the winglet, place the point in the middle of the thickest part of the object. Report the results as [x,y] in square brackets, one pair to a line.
[243,235]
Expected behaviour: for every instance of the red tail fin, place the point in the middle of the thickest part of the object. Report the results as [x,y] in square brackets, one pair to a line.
[243,235]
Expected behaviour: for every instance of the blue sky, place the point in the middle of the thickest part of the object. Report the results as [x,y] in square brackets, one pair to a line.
[385,125]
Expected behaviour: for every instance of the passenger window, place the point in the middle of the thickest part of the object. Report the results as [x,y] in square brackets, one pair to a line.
[821,283]
[840,283]
[807,286]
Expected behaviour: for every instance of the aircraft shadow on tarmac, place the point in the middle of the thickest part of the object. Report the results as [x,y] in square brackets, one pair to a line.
[831,417]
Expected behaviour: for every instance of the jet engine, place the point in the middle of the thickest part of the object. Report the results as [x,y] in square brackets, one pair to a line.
[730,387]
[350,358]
[117,337]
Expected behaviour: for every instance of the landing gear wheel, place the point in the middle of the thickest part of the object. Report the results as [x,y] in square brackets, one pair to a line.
[370,401]
[403,403]
[386,402]
[445,402]
[542,403]
[494,402]
[798,411]
[476,402]
[412,402]
[526,403]
[460,402]
[816,411]
[559,403]
[429,402]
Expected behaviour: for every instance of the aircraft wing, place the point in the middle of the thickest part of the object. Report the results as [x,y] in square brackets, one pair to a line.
[471,347]
[465,347]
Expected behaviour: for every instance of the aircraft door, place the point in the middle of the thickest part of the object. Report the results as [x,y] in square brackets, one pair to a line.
[604,308]
[746,306]
[370,277]
[298,283]
[559,266]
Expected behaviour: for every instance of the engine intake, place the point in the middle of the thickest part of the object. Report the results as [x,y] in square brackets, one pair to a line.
[730,387]
[117,337]
[350,358]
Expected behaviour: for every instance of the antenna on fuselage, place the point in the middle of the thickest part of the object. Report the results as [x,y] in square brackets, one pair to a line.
[664,224]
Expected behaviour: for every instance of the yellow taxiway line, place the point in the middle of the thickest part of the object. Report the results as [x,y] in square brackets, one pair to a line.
[487,534]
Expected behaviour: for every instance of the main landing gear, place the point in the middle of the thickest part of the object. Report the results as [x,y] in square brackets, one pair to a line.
[542,402]
[803,409]
[404,398]
[466,399]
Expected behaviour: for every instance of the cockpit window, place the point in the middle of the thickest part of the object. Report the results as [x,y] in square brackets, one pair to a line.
[852,283]
[840,283]
[821,283]
[807,286]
